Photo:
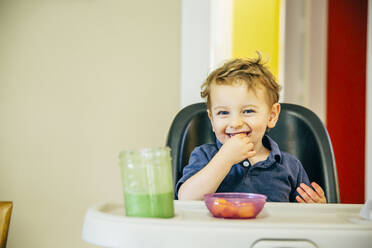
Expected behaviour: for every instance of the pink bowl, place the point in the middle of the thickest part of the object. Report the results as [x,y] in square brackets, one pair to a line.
[235,205]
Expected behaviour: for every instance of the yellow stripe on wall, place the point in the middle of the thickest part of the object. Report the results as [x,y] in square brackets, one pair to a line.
[256,28]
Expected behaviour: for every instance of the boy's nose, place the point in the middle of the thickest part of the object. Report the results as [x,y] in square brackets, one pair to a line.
[236,122]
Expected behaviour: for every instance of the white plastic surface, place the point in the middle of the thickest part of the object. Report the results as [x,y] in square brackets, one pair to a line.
[366,211]
[283,243]
[323,225]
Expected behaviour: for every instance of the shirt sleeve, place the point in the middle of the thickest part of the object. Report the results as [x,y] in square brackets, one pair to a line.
[301,178]
[198,160]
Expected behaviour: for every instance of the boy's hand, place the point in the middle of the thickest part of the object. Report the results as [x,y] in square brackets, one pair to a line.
[309,195]
[237,148]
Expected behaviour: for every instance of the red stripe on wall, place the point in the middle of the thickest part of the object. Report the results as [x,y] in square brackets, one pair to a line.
[346,93]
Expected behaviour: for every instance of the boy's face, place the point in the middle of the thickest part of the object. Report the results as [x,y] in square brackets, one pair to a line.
[235,109]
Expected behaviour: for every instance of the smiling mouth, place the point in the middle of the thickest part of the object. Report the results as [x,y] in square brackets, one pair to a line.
[232,134]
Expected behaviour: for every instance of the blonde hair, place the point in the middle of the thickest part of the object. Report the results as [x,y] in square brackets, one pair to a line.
[250,71]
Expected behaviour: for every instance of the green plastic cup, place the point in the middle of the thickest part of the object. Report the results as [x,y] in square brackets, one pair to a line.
[147,182]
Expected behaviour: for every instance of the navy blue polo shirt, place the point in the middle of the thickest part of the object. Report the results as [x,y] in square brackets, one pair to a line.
[277,177]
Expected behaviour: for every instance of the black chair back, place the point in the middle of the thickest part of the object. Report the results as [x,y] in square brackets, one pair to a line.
[298,131]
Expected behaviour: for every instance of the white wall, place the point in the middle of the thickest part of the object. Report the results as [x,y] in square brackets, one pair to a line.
[206,43]
[368,174]
[221,35]
[195,48]
[79,82]
[305,54]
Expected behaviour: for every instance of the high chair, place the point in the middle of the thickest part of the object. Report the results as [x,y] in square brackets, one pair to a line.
[298,131]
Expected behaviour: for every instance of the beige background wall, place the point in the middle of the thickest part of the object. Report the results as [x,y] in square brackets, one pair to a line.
[79,82]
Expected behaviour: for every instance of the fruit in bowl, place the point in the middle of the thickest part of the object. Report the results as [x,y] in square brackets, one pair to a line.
[235,205]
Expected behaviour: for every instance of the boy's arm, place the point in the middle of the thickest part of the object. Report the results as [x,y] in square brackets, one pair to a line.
[209,178]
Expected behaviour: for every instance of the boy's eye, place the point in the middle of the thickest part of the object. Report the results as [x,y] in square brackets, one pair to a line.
[248,111]
[222,112]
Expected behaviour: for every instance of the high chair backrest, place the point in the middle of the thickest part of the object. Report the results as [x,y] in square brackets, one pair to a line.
[298,131]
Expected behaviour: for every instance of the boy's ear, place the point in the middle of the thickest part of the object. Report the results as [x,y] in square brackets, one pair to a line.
[274,115]
[209,114]
[210,118]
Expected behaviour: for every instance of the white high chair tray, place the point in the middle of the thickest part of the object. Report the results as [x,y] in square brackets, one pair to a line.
[278,225]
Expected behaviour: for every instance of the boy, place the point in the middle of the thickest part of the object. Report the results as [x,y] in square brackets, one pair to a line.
[242,103]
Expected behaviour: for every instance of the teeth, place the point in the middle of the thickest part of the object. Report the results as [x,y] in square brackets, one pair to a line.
[232,134]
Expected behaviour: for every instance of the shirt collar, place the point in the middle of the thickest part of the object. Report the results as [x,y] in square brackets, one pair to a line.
[270,144]
[275,153]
